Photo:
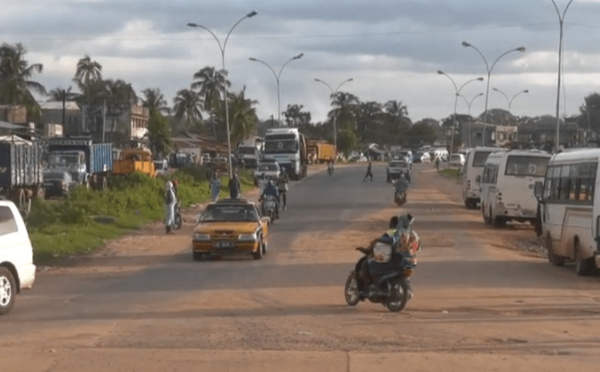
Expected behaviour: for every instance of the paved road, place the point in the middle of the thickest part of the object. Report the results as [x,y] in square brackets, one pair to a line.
[478,302]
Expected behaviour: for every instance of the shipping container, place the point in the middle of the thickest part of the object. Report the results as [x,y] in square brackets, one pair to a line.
[21,169]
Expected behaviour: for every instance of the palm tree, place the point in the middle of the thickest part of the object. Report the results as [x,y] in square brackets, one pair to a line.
[210,84]
[242,115]
[188,104]
[398,120]
[345,107]
[368,122]
[87,71]
[119,96]
[15,74]
[155,101]
[62,95]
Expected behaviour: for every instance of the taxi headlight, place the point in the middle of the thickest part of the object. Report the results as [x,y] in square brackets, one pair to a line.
[201,237]
[248,237]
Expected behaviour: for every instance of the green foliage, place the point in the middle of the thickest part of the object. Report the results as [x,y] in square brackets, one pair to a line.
[68,227]
[347,141]
[159,133]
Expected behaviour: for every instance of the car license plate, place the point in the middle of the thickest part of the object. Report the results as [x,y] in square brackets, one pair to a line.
[223,244]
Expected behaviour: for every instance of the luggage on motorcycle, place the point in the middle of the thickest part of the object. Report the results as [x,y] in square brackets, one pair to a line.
[382,252]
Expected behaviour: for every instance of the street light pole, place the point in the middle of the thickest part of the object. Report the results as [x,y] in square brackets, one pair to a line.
[456,95]
[489,73]
[333,93]
[561,20]
[469,103]
[277,77]
[222,48]
[510,101]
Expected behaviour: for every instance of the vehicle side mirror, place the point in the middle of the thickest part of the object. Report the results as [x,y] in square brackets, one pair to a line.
[538,190]
[478,179]
[597,238]
[266,220]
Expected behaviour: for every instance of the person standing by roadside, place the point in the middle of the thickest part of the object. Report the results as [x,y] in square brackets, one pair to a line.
[234,186]
[282,187]
[170,202]
[215,187]
[369,174]
[437,163]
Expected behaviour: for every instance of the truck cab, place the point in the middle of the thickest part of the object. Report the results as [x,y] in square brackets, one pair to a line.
[72,162]
[134,160]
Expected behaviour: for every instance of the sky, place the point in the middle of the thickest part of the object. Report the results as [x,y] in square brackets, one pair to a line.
[391,49]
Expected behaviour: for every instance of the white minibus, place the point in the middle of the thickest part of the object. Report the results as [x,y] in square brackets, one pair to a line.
[507,184]
[472,167]
[570,209]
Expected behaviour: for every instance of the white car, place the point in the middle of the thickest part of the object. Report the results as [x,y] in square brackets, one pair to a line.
[457,160]
[422,157]
[17,270]
[270,169]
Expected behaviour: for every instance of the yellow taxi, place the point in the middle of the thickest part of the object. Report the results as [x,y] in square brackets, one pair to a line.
[230,226]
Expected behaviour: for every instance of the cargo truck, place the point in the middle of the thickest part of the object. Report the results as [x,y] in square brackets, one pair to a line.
[21,169]
[134,160]
[287,147]
[321,151]
[88,163]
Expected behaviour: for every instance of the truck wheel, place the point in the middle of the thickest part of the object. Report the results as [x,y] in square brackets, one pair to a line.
[8,290]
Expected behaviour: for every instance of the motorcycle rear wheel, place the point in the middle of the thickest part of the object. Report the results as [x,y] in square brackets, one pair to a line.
[351,290]
[398,296]
[178,221]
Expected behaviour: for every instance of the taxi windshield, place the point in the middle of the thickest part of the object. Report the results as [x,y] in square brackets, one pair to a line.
[229,213]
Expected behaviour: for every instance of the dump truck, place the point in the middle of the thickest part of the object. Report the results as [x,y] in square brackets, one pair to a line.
[21,169]
[134,160]
[88,163]
[320,151]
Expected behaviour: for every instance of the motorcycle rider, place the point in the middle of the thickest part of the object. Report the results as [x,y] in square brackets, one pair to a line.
[271,190]
[282,187]
[404,242]
[401,186]
[330,166]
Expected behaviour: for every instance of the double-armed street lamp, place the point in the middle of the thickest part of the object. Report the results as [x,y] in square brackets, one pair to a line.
[561,20]
[489,73]
[333,93]
[469,103]
[277,77]
[456,95]
[222,48]
[510,101]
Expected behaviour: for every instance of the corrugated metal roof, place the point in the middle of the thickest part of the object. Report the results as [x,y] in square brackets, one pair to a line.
[7,125]
[57,105]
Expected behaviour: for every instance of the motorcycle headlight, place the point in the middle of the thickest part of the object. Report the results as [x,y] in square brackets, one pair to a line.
[248,237]
[201,237]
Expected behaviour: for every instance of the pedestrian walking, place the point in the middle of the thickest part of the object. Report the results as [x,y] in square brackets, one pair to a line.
[437,163]
[369,174]
[234,186]
[282,188]
[214,187]
[170,202]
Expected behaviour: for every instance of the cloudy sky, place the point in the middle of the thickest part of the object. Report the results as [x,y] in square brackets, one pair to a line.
[391,48]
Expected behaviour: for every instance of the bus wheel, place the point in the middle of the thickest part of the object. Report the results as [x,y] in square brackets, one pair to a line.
[552,258]
[583,266]
[498,221]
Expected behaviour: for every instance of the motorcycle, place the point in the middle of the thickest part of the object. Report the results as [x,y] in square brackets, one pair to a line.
[330,170]
[269,207]
[387,270]
[400,198]
[178,219]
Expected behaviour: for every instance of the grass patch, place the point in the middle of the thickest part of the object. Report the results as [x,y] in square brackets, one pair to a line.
[450,173]
[68,227]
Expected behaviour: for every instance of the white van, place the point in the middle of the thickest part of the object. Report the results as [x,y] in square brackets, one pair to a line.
[17,270]
[570,209]
[507,184]
[472,167]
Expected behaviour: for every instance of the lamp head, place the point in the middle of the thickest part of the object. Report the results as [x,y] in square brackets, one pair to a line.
[494,89]
[480,79]
[351,79]
[465,44]
[521,49]
[440,72]
[252,59]
[317,80]
[192,25]
[251,14]
[526,91]
[298,56]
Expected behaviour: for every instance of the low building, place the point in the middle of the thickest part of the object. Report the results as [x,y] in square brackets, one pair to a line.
[70,117]
[15,114]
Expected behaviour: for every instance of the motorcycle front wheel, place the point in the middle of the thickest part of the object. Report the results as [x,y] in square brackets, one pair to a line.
[351,290]
[398,297]
[178,221]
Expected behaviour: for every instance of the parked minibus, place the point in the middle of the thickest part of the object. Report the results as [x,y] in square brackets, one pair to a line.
[570,209]
[474,161]
[507,184]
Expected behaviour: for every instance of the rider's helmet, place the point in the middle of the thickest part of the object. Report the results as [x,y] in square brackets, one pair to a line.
[262,176]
